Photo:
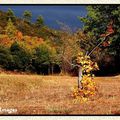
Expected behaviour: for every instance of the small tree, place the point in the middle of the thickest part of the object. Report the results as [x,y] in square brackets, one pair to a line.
[68,47]
[27,15]
[10,29]
[11,14]
[86,85]
[39,21]
[53,58]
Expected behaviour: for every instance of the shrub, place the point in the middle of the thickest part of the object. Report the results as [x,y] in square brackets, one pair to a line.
[6,59]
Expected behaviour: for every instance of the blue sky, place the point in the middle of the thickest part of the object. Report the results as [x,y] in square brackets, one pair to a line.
[66,14]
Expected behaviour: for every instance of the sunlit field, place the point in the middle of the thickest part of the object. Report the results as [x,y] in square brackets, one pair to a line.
[34,94]
[51,57]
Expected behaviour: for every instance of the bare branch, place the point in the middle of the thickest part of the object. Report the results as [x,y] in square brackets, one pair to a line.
[75,65]
[96,46]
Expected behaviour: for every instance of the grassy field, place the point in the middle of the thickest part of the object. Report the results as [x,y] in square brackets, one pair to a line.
[33,94]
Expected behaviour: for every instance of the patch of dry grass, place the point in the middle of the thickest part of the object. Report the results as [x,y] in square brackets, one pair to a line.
[34,94]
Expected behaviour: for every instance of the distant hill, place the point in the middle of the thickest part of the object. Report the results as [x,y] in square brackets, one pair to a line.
[29,29]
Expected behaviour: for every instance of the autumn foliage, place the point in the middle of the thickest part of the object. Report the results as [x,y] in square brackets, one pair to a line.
[25,53]
[87,65]
[109,30]
[88,85]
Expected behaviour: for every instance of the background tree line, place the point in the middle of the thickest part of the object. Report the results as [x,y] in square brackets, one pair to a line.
[38,48]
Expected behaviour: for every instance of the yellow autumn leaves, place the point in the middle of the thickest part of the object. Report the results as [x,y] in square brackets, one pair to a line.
[86,63]
[88,84]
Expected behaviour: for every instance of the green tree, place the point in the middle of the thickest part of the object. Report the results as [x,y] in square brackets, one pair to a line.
[27,15]
[21,57]
[45,59]
[10,29]
[96,22]
[11,14]
[42,60]
[39,21]
[6,59]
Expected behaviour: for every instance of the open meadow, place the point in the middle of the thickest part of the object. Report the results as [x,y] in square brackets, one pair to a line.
[34,94]
[43,48]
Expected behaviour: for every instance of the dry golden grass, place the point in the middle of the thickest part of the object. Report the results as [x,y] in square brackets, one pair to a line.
[34,94]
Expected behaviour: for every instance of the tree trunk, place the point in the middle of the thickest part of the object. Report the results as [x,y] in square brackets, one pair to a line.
[52,68]
[79,77]
[48,69]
